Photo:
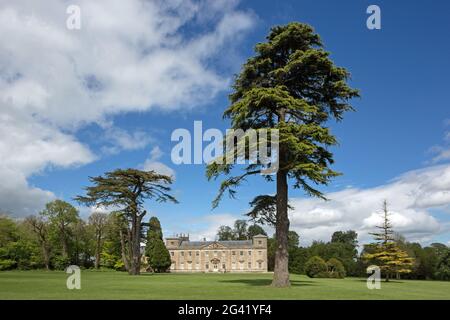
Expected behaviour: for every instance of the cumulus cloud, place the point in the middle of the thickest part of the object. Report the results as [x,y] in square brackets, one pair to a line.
[152,163]
[412,197]
[122,140]
[206,226]
[128,56]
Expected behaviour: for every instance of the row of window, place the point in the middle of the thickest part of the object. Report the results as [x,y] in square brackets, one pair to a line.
[197,253]
[216,266]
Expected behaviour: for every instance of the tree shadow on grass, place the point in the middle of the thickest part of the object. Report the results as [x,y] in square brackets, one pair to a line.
[267,282]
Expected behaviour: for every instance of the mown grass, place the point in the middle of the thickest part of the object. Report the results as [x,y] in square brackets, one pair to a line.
[120,285]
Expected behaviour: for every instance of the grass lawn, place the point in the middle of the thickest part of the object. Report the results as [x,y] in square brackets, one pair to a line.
[119,285]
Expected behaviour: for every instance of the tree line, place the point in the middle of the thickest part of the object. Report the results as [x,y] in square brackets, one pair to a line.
[57,237]
[343,256]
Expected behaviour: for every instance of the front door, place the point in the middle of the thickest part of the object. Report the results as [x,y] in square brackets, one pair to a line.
[215,267]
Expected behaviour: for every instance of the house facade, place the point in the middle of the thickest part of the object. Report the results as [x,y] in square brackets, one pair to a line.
[218,256]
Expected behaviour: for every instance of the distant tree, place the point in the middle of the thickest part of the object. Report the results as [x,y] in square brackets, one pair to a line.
[349,237]
[387,254]
[40,227]
[316,267]
[225,233]
[335,268]
[293,86]
[443,265]
[116,251]
[62,215]
[154,253]
[159,259]
[99,222]
[8,230]
[240,230]
[293,240]
[255,230]
[127,190]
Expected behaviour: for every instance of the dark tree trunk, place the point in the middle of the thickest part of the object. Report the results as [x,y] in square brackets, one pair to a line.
[46,254]
[281,269]
[97,251]
[65,246]
[136,245]
[126,261]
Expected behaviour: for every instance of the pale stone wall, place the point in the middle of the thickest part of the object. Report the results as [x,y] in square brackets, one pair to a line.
[218,256]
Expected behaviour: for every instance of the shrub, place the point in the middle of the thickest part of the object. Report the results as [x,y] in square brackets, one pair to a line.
[7,264]
[316,267]
[335,268]
[159,259]
[61,263]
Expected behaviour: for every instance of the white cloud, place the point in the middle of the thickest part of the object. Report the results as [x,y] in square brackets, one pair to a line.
[411,198]
[442,152]
[128,56]
[206,226]
[152,163]
[121,140]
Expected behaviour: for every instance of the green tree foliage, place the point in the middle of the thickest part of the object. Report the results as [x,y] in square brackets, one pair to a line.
[290,85]
[159,259]
[387,254]
[128,189]
[62,216]
[158,256]
[98,221]
[316,267]
[335,268]
[39,226]
[225,233]
[255,230]
[240,230]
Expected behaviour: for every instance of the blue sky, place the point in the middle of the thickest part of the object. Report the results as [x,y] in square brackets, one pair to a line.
[400,125]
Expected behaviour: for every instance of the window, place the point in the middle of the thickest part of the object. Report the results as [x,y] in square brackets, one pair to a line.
[259,265]
[233,253]
[171,253]
[197,253]
[241,253]
[223,266]
[249,253]
[207,266]
[190,253]
[172,243]
[259,242]
[182,253]
[249,265]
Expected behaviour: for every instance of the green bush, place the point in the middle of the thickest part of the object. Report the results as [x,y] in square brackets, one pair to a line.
[335,268]
[61,263]
[7,264]
[316,267]
[159,259]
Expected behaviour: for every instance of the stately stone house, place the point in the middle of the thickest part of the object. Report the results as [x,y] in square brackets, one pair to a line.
[218,256]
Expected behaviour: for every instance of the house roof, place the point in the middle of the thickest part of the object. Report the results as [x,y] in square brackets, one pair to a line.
[238,244]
